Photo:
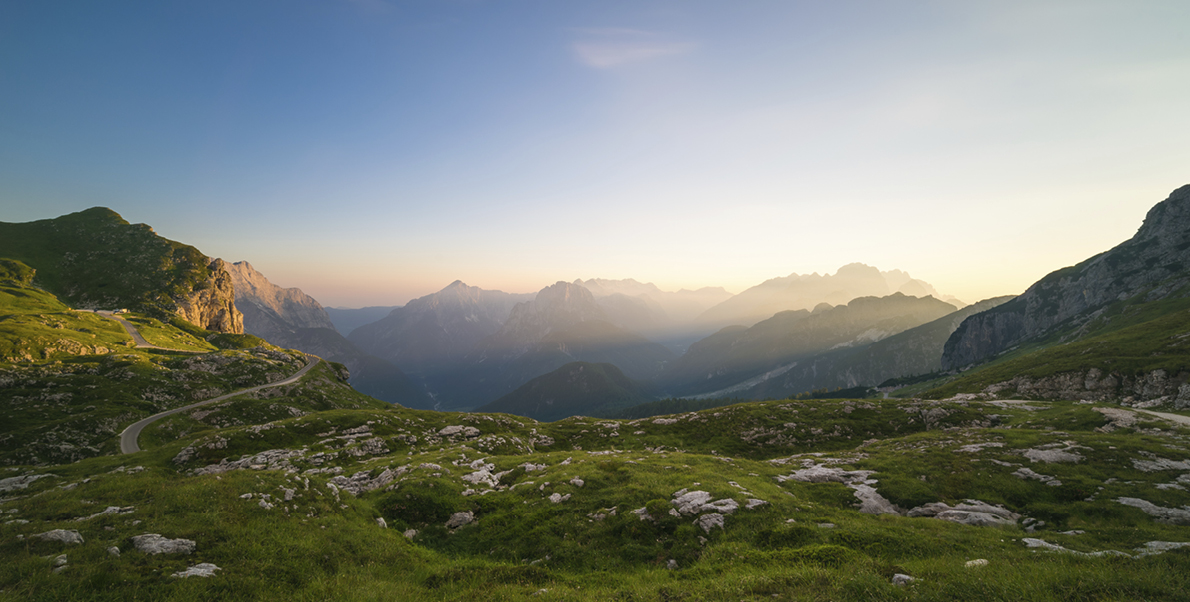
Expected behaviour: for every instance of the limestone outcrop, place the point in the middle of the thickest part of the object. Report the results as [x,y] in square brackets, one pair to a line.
[1153,388]
[212,304]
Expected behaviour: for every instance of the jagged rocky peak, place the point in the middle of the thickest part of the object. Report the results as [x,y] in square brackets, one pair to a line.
[1154,264]
[212,305]
[555,307]
[268,307]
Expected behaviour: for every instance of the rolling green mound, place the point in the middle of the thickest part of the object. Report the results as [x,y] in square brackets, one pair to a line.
[94,258]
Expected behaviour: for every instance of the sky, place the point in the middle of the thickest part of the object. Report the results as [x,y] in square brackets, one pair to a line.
[373,151]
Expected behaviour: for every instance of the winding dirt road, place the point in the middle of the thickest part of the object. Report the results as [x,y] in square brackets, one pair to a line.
[128,438]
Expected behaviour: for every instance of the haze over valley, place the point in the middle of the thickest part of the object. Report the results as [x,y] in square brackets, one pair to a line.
[638,301]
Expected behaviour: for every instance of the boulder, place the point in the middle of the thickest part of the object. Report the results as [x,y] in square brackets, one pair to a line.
[153,543]
[460,519]
[710,521]
[62,535]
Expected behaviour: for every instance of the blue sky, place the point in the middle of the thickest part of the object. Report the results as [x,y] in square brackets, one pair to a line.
[370,151]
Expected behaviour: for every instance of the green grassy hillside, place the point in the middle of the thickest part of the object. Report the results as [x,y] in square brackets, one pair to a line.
[95,258]
[71,380]
[1127,340]
[272,505]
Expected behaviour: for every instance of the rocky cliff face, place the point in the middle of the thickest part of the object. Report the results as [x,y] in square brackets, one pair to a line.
[1148,389]
[212,304]
[1152,265]
[735,360]
[272,312]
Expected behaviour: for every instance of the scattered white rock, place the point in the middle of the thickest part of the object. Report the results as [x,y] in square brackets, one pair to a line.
[1050,456]
[1176,516]
[697,502]
[710,521]
[1153,548]
[754,503]
[410,533]
[153,543]
[1025,473]
[665,421]
[60,560]
[824,474]
[61,535]
[1050,547]
[460,519]
[458,429]
[114,551]
[577,482]
[902,579]
[1160,464]
[558,498]
[380,521]
[977,447]
[204,569]
[973,512]
[14,483]
[826,525]
[975,563]
[362,481]
[871,502]
[672,564]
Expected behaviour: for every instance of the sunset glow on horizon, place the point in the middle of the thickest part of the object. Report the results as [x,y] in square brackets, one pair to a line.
[371,152]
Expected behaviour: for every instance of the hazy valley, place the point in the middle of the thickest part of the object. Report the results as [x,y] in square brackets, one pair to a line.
[856,436]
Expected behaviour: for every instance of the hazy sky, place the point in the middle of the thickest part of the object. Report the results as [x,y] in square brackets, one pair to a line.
[371,151]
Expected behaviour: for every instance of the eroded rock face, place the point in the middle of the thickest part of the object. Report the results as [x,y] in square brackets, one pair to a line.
[1156,387]
[212,304]
[1153,263]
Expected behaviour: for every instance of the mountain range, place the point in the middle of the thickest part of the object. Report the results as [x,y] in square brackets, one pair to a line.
[292,319]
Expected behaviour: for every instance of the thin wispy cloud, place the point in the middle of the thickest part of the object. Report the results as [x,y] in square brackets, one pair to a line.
[608,48]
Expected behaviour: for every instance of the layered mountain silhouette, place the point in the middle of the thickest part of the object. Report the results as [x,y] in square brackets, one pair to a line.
[562,324]
[915,351]
[737,359]
[577,388]
[347,319]
[290,318]
[807,291]
[432,334]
